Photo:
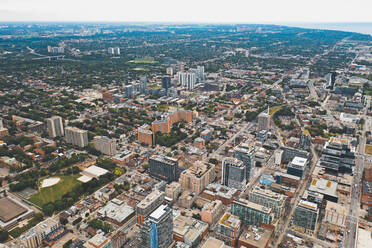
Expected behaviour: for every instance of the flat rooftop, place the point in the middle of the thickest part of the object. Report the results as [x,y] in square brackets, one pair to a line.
[9,209]
[159,212]
[309,205]
[324,187]
[298,161]
[256,237]
[253,205]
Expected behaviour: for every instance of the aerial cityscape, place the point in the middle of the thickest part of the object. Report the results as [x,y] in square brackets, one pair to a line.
[161,135]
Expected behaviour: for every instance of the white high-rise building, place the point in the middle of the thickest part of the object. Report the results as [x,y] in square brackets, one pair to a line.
[55,126]
[76,136]
[187,79]
[105,145]
[200,72]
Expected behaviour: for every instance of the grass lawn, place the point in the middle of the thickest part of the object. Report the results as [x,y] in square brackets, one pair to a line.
[55,192]
[143,61]
[273,110]
[368,149]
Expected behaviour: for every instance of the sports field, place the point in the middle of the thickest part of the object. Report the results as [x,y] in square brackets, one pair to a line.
[55,192]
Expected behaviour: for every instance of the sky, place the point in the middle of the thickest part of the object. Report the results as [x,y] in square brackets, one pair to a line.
[194,11]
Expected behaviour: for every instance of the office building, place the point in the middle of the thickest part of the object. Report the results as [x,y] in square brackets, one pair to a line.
[228,229]
[197,177]
[76,136]
[255,237]
[164,168]
[297,167]
[233,173]
[55,126]
[251,213]
[268,199]
[245,153]
[305,216]
[157,229]
[166,83]
[211,212]
[105,145]
[263,122]
[289,153]
[149,204]
[338,155]
[325,187]
[145,135]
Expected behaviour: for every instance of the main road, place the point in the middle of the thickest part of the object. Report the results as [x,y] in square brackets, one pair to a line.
[353,220]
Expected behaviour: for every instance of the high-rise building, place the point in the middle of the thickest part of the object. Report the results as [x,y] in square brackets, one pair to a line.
[269,199]
[263,120]
[306,215]
[143,84]
[197,177]
[228,229]
[164,168]
[1,123]
[76,136]
[200,73]
[166,83]
[145,207]
[338,155]
[55,126]
[305,140]
[3,131]
[233,173]
[245,153]
[157,229]
[297,167]
[170,71]
[251,213]
[105,145]
[113,50]
[187,79]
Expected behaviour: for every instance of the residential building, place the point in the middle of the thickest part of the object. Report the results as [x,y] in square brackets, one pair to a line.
[297,167]
[187,79]
[149,204]
[269,199]
[145,135]
[263,122]
[164,168]
[157,229]
[228,229]
[76,136]
[173,190]
[211,212]
[143,84]
[251,213]
[166,83]
[289,153]
[189,230]
[246,153]
[305,140]
[105,145]
[305,216]
[55,126]
[197,177]
[233,173]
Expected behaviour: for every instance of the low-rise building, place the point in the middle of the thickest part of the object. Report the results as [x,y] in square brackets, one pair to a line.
[189,230]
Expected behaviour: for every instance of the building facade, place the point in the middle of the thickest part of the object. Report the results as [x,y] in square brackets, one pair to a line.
[251,213]
[197,177]
[105,145]
[164,168]
[233,173]
[76,136]
[55,126]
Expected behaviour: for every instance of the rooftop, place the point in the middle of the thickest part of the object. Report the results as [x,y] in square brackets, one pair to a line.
[154,195]
[10,209]
[159,212]
[256,237]
[253,205]
[309,205]
[324,187]
[230,220]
